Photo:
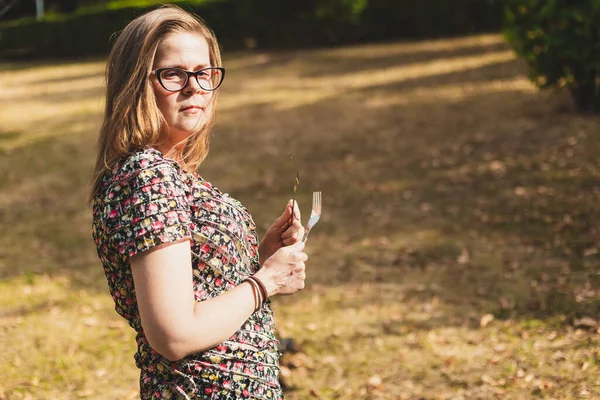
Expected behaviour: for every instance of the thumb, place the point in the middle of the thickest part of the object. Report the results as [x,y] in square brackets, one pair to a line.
[287,214]
[298,246]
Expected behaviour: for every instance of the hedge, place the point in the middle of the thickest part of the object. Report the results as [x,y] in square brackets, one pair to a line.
[264,23]
[560,41]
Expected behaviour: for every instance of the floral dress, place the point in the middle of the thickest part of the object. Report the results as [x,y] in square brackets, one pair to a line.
[149,200]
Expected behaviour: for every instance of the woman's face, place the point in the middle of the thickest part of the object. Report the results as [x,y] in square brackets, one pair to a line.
[188,109]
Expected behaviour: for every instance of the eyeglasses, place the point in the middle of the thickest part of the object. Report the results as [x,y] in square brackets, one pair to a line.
[175,79]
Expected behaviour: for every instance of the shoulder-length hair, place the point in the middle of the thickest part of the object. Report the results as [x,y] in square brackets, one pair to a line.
[132,120]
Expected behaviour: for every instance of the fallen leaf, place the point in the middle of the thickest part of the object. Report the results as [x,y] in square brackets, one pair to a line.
[72,349]
[298,360]
[311,327]
[116,324]
[485,320]
[520,373]
[490,381]
[285,377]
[375,383]
[520,191]
[499,348]
[506,304]
[585,323]
[559,356]
[464,257]
[329,359]
[585,366]
[497,167]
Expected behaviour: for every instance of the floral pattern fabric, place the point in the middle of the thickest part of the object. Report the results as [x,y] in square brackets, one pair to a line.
[148,201]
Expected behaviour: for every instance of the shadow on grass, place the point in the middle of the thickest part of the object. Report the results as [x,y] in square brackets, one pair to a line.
[36,64]
[52,98]
[333,64]
[475,186]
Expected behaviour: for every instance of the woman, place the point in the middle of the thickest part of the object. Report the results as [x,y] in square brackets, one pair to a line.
[182,258]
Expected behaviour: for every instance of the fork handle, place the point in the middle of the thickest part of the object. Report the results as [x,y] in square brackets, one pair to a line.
[305,235]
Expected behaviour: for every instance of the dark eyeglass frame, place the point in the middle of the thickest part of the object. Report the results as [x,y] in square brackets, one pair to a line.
[189,74]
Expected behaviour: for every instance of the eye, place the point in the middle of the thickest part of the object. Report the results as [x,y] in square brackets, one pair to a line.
[171,74]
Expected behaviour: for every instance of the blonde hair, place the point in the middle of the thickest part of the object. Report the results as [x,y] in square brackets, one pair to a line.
[132,120]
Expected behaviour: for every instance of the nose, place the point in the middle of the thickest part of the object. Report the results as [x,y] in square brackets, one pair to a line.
[192,87]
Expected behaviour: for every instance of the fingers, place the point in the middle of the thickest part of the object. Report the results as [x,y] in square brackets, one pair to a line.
[297,246]
[296,210]
[293,230]
[300,257]
[296,258]
[299,280]
[288,210]
[286,269]
[293,234]
[284,220]
[301,267]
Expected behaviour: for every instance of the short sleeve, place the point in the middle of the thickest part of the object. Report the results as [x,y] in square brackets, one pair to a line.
[146,206]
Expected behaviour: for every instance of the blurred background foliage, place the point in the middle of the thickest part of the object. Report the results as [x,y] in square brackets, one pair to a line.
[83,27]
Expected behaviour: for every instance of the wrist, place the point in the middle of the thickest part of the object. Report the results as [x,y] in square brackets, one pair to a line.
[264,294]
[269,286]
[257,293]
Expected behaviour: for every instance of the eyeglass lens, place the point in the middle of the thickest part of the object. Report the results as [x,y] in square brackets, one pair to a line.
[175,79]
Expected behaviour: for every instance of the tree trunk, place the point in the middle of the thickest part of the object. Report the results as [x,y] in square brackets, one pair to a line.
[587,95]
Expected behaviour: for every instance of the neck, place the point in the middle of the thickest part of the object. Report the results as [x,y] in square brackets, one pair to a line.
[170,150]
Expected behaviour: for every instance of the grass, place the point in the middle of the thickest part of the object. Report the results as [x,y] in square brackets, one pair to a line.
[457,256]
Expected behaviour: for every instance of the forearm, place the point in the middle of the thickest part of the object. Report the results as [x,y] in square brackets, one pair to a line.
[176,325]
[212,322]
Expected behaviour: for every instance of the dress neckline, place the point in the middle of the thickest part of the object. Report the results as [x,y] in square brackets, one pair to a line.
[182,170]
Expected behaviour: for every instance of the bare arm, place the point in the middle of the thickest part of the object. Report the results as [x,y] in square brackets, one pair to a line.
[175,324]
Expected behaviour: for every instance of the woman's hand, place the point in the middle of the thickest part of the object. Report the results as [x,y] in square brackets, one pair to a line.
[281,233]
[284,272]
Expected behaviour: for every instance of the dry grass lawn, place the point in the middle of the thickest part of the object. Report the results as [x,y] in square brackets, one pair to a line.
[457,257]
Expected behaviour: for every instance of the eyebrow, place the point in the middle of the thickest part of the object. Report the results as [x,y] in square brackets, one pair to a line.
[197,68]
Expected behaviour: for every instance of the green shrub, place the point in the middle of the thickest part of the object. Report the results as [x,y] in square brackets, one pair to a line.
[560,41]
[430,18]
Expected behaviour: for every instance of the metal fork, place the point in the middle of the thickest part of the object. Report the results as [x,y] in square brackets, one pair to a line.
[315,214]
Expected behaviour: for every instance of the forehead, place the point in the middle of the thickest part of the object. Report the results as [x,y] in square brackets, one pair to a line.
[186,50]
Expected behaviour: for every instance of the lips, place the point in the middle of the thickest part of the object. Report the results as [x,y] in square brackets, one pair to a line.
[191,108]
